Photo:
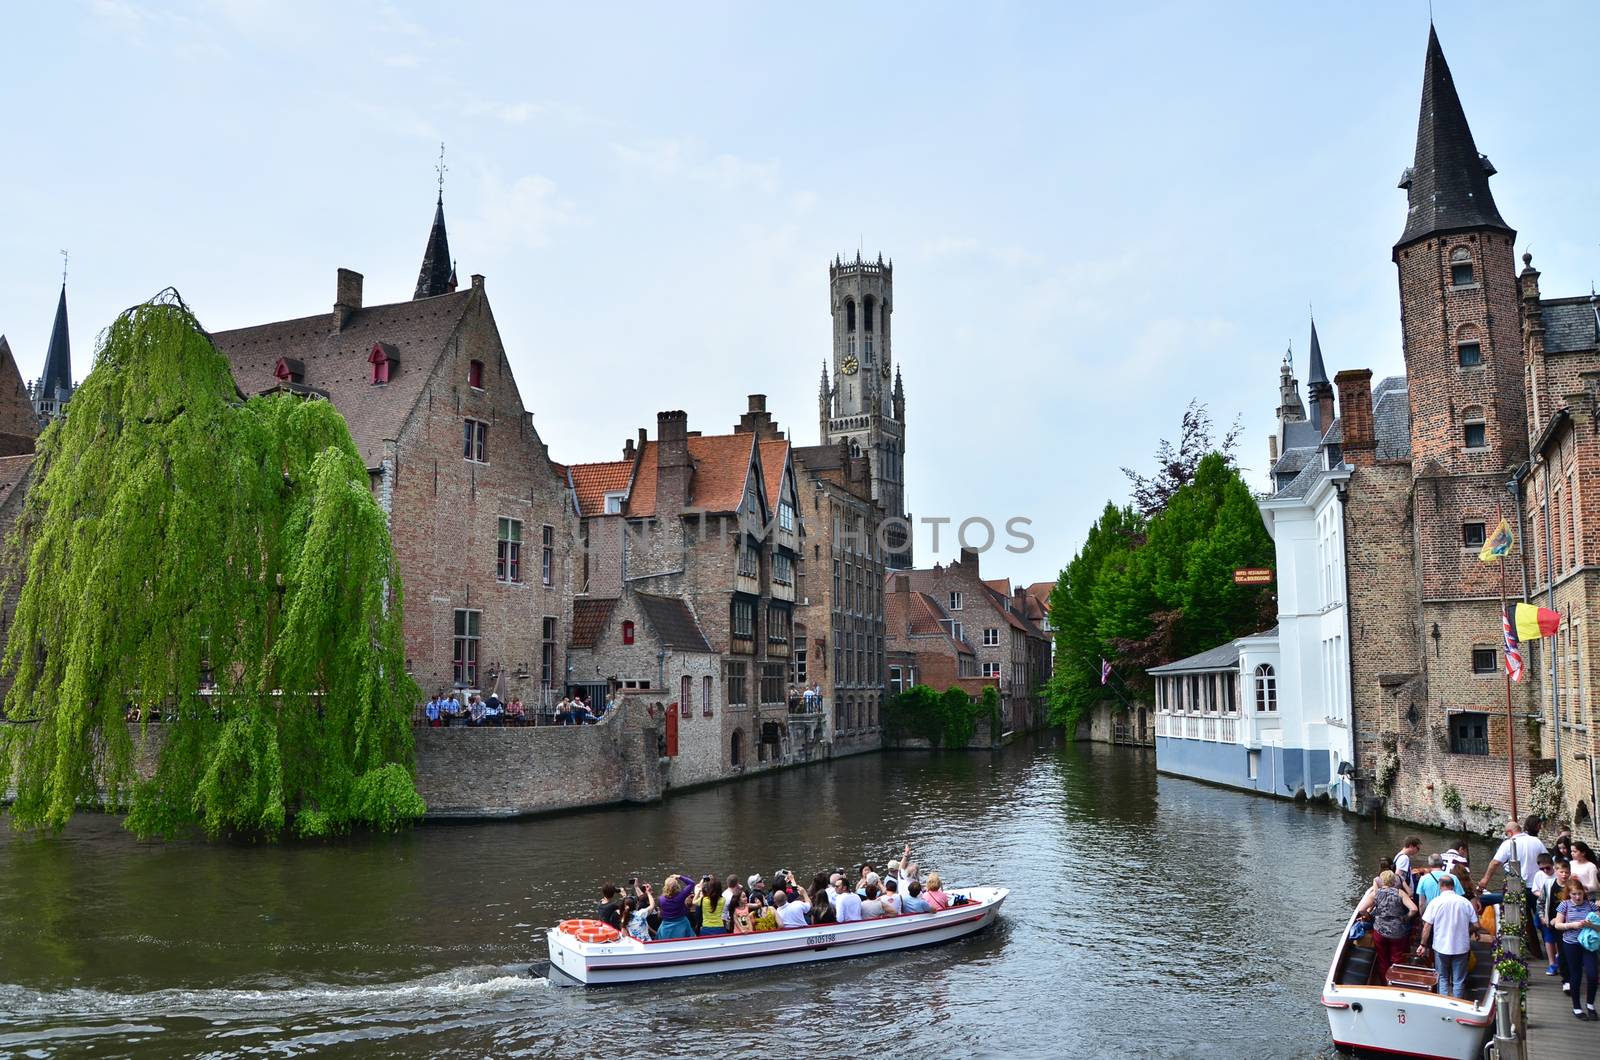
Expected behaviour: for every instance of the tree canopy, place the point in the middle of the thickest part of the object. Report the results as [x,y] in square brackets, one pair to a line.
[218,563]
[1153,581]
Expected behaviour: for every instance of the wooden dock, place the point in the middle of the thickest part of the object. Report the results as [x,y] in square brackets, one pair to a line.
[1553,1034]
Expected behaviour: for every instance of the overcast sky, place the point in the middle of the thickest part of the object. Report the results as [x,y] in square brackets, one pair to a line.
[1094,214]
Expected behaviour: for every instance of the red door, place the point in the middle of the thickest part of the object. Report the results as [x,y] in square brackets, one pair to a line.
[672,731]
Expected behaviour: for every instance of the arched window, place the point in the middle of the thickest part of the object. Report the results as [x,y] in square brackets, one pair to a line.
[867,305]
[627,633]
[736,748]
[849,314]
[1461,267]
[1474,432]
[1469,350]
[1266,689]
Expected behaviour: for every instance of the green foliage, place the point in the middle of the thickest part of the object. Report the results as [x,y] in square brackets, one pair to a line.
[1451,797]
[171,531]
[1142,592]
[1547,799]
[944,719]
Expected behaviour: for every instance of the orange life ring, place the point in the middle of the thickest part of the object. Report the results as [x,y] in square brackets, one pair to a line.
[589,930]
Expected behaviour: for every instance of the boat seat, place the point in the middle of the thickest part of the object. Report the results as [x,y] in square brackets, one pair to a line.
[1358,966]
[1413,976]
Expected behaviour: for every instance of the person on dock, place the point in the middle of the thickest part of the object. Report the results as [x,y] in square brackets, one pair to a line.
[674,906]
[1392,910]
[1447,922]
[1554,890]
[1520,849]
[1573,918]
[1584,868]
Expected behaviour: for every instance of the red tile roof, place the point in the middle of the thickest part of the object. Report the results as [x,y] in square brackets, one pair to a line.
[721,468]
[999,585]
[12,468]
[336,361]
[591,483]
[588,619]
[774,458]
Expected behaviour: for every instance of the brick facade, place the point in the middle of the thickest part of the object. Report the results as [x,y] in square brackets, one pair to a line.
[19,423]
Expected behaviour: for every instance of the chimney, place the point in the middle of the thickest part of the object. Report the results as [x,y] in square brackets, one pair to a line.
[969,558]
[1355,404]
[477,281]
[347,297]
[1321,405]
[757,421]
[902,584]
[1272,449]
[672,461]
[627,449]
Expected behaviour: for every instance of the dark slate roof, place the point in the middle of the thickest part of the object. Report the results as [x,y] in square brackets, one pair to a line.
[588,619]
[57,374]
[818,457]
[1300,434]
[1222,657]
[1293,460]
[1335,432]
[1447,185]
[437,276]
[673,622]
[1319,374]
[336,361]
[1391,419]
[1570,324]
[1300,485]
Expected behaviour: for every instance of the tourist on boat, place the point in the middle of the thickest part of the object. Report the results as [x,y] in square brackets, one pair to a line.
[638,910]
[674,906]
[846,904]
[1448,923]
[756,886]
[1427,885]
[934,893]
[713,906]
[743,922]
[872,906]
[912,901]
[1549,887]
[1402,860]
[891,897]
[765,918]
[1576,915]
[610,910]
[863,876]
[1584,868]
[822,898]
[791,914]
[1392,909]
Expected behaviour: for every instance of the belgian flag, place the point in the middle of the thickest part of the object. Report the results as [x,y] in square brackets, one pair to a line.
[1534,623]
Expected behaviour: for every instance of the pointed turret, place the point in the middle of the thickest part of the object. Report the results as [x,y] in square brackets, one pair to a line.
[1448,183]
[1318,389]
[438,274]
[55,382]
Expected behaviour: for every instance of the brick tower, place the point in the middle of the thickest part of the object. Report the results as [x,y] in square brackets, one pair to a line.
[864,404]
[1464,363]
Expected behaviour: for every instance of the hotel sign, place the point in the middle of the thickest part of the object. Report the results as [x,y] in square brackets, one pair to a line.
[1252,576]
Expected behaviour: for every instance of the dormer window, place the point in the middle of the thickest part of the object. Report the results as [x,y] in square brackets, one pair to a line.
[475,375]
[290,370]
[384,363]
[1461,268]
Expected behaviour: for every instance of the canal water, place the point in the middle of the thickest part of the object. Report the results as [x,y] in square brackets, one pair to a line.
[1149,916]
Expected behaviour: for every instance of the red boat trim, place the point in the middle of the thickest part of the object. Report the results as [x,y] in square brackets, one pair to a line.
[611,962]
[1391,1052]
[1334,1004]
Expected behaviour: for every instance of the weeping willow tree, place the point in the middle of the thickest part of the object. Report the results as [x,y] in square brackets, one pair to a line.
[220,564]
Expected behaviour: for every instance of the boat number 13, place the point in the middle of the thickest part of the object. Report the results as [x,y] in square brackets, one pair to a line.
[1400,1016]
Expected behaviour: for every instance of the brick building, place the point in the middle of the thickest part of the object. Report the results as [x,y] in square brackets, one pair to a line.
[479,514]
[925,647]
[842,594]
[710,520]
[992,620]
[19,422]
[857,404]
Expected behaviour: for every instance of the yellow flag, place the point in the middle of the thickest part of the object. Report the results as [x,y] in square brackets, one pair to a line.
[1498,544]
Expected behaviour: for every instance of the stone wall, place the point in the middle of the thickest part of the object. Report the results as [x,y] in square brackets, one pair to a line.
[1114,723]
[507,772]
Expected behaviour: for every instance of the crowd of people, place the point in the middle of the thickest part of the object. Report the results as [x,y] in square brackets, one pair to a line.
[735,905]
[448,708]
[1563,883]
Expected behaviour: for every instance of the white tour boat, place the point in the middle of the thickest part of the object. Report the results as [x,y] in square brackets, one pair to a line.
[627,960]
[1404,1015]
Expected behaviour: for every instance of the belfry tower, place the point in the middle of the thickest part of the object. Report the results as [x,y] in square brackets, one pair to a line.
[864,404]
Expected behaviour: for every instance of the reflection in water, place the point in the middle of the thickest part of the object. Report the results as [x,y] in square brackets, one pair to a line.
[1149,917]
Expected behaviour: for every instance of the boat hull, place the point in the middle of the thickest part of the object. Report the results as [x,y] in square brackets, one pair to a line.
[1405,1021]
[631,961]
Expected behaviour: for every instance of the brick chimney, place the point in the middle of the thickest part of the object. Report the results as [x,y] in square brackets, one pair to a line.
[968,561]
[757,421]
[347,297]
[1355,407]
[673,467]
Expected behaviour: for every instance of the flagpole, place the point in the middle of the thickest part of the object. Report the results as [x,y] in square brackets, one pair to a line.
[1511,738]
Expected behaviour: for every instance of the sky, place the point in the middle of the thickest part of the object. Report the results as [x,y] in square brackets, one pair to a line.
[1096,212]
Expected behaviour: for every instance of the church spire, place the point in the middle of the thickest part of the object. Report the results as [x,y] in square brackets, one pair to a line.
[438,272]
[1318,389]
[1448,183]
[55,383]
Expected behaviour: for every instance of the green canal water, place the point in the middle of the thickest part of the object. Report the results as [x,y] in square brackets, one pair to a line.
[1149,916]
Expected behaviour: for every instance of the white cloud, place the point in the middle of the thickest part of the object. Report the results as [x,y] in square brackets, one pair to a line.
[521,214]
[679,159]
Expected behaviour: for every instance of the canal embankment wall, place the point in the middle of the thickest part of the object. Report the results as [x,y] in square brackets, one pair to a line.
[1116,723]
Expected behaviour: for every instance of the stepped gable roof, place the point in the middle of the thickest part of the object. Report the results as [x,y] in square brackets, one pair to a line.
[19,424]
[438,275]
[1222,657]
[591,483]
[588,619]
[57,374]
[336,361]
[673,622]
[721,469]
[12,470]
[1570,324]
[1391,419]
[1447,185]
[774,455]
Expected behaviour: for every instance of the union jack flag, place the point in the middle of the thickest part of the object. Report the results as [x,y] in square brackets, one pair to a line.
[1513,649]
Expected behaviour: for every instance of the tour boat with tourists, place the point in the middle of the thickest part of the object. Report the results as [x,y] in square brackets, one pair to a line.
[1404,1016]
[594,954]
